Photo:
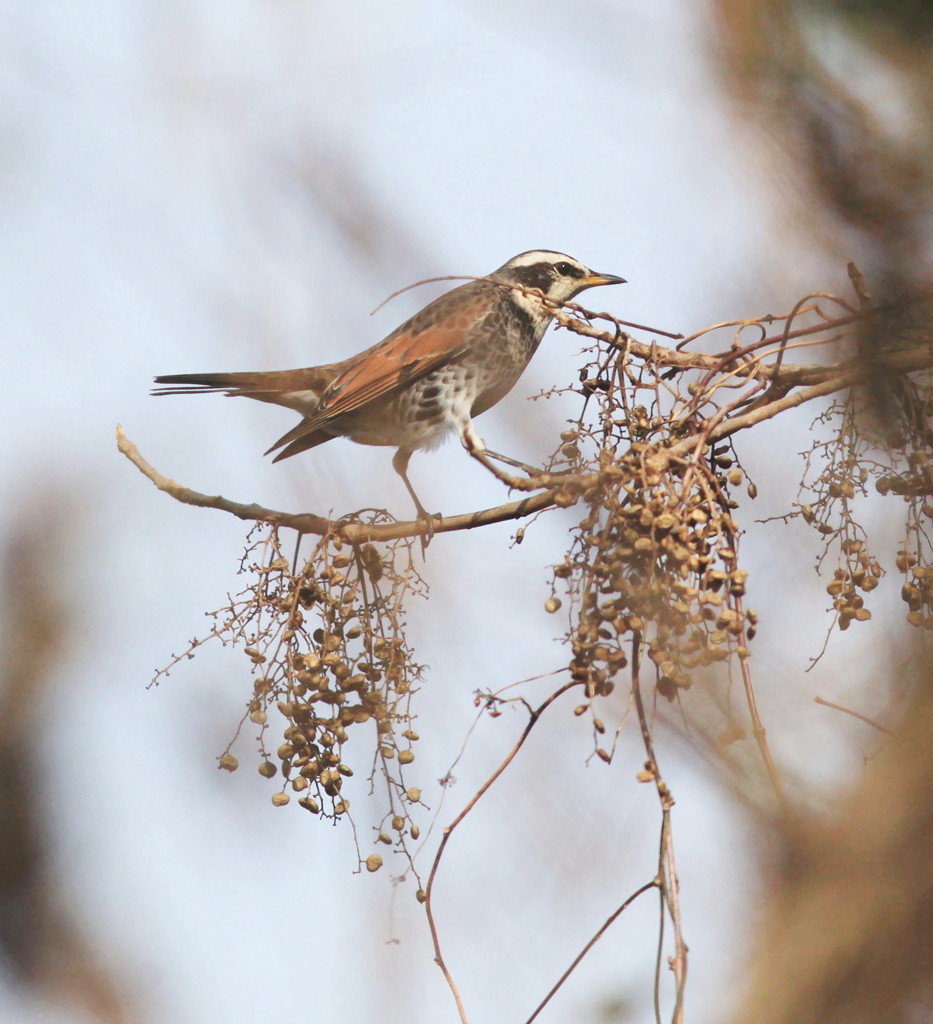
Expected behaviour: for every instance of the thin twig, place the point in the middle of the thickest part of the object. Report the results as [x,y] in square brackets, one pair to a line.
[553,303]
[758,728]
[854,714]
[534,716]
[653,884]
[899,360]
[667,872]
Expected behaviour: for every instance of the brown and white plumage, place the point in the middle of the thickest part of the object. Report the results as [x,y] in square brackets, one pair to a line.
[451,361]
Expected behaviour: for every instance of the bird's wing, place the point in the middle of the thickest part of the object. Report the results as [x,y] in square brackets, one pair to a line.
[432,338]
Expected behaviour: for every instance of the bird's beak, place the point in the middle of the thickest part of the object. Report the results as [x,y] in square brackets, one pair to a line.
[596,279]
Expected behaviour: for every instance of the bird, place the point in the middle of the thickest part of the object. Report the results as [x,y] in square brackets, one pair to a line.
[456,358]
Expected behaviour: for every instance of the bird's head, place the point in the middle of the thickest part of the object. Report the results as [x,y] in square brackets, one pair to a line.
[555,274]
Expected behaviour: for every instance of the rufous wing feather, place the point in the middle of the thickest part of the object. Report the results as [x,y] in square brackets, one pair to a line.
[425,343]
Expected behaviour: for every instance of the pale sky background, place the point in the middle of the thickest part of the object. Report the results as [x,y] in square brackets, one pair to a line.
[205,186]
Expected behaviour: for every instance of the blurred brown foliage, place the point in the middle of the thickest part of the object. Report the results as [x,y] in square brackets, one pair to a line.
[846,90]
[46,948]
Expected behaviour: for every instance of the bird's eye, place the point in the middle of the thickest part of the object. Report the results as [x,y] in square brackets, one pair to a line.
[564,268]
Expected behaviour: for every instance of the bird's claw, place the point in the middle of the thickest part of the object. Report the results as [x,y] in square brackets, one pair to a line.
[426,519]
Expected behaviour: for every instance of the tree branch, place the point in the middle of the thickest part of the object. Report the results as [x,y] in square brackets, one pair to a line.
[307,522]
[918,356]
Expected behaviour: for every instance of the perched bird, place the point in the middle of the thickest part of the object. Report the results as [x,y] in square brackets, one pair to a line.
[455,359]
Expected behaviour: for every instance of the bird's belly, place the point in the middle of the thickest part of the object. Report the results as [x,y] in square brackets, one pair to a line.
[424,413]
[426,434]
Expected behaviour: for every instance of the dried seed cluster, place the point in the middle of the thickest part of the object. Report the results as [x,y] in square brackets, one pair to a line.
[838,471]
[654,562]
[327,649]
[655,558]
[860,572]
[917,591]
[336,658]
[911,478]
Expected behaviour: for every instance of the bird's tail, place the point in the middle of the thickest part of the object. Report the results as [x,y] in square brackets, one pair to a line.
[295,389]
[267,387]
[202,383]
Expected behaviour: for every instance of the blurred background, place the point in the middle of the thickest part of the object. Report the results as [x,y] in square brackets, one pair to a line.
[206,186]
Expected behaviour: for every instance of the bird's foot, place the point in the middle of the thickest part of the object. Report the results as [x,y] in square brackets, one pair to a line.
[427,520]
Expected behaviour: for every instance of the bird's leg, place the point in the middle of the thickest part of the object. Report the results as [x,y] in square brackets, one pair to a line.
[470,440]
[475,446]
[400,465]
